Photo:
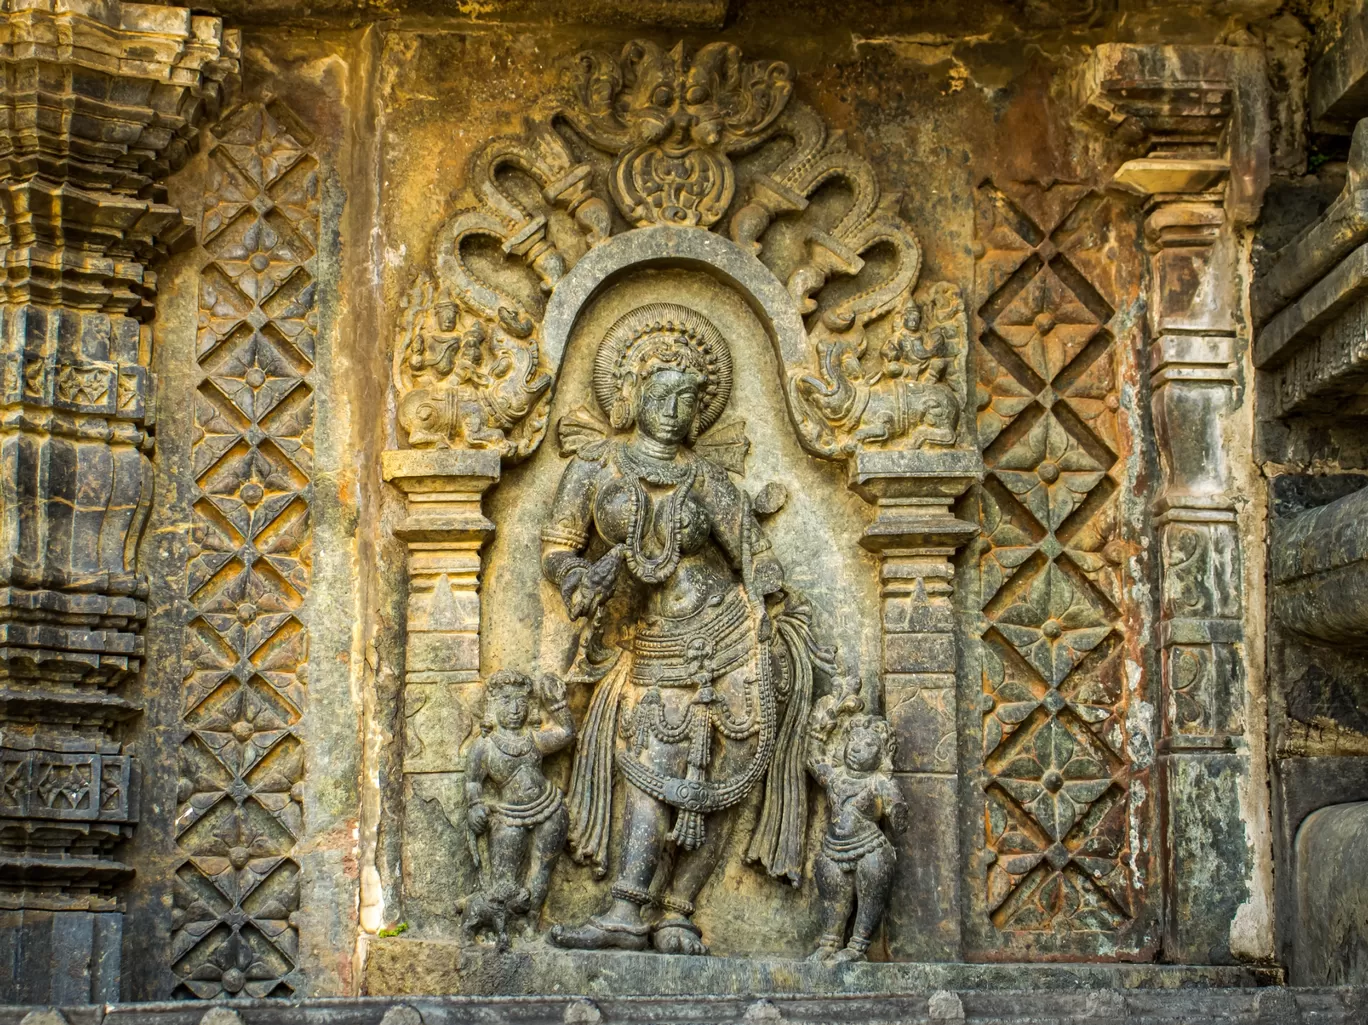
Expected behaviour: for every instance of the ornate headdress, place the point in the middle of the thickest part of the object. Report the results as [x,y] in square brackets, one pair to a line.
[662,336]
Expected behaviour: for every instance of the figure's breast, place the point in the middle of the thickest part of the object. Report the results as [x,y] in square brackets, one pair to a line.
[856,795]
[515,774]
[621,505]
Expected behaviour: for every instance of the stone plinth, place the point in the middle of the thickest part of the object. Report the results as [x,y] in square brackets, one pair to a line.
[400,966]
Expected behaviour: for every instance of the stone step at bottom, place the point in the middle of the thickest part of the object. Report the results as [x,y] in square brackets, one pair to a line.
[1101,1006]
[1273,1005]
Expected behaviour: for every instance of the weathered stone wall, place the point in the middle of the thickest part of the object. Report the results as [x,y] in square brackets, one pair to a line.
[1059,608]
[1310,447]
[249,867]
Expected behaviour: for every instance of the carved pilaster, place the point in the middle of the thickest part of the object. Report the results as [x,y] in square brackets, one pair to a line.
[240,808]
[1201,174]
[445,530]
[916,536]
[1194,380]
[100,101]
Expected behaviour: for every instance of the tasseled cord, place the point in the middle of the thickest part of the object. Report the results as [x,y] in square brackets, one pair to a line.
[689,830]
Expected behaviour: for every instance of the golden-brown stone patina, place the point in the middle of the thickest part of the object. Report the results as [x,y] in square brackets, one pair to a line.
[678,499]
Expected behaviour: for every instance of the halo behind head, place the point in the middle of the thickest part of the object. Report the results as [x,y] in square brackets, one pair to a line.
[659,336]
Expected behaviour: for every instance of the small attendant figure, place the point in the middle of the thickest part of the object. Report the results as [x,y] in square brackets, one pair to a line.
[851,755]
[521,812]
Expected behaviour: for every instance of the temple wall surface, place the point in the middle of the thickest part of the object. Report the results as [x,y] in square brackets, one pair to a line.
[1022,350]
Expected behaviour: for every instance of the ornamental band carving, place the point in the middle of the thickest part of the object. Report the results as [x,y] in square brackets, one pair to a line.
[240,809]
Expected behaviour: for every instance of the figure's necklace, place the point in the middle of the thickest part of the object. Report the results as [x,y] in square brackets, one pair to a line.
[654,470]
[514,747]
[644,568]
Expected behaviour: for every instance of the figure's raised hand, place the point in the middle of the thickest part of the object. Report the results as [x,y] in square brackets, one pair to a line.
[822,721]
[551,690]
[847,688]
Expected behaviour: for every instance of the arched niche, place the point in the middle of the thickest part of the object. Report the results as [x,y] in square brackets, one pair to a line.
[663,246]
[523,621]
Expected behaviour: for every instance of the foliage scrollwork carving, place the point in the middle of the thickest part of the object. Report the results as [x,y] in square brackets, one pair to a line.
[646,138]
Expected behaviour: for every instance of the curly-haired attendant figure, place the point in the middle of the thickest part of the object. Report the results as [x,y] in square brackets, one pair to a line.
[511,801]
[851,755]
[710,687]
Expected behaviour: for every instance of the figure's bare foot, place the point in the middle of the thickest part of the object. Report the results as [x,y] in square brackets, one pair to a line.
[678,935]
[599,934]
[823,954]
[849,954]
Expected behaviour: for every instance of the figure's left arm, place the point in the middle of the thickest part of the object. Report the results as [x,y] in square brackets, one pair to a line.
[895,807]
[732,522]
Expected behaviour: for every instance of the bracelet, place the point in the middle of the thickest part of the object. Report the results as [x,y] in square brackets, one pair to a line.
[569,538]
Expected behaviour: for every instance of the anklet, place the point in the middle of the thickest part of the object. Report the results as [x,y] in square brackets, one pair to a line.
[632,894]
[680,907]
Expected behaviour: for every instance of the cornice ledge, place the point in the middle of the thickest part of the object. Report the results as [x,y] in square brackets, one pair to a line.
[1188,115]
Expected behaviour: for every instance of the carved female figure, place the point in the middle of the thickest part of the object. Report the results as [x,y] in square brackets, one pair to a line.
[851,755]
[651,542]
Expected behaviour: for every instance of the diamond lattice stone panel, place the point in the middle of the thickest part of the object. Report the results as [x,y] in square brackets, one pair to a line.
[1069,835]
[245,681]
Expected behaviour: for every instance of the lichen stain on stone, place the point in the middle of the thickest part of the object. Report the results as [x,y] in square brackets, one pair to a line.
[930,54]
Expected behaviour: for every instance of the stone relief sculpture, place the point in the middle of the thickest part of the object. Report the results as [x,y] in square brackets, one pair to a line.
[250,569]
[469,368]
[469,381]
[915,397]
[1054,579]
[651,543]
[850,753]
[698,658]
[510,802]
[673,119]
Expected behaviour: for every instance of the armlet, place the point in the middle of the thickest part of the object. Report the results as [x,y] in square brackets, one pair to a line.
[560,535]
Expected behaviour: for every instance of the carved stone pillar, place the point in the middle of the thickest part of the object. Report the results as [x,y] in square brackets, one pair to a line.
[100,101]
[916,536]
[1201,176]
[445,530]
[1195,382]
